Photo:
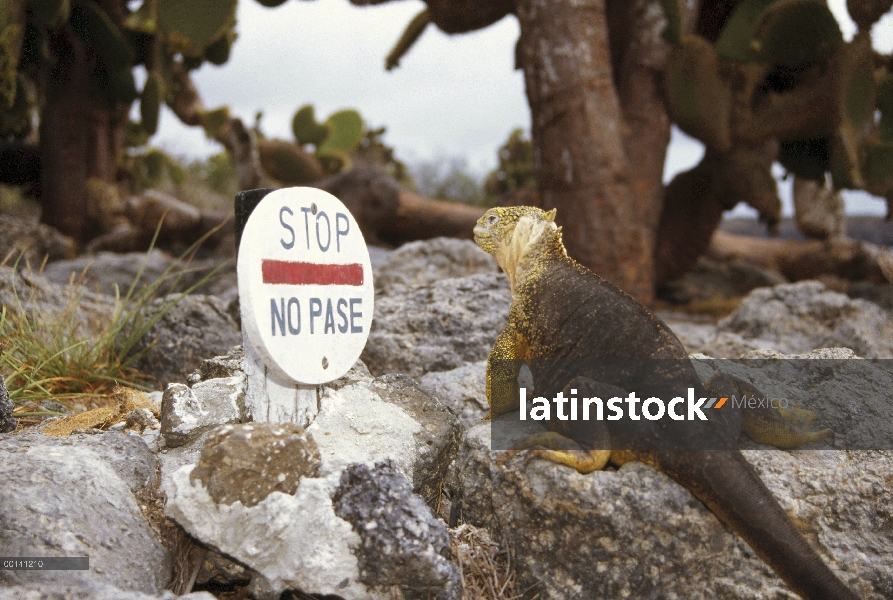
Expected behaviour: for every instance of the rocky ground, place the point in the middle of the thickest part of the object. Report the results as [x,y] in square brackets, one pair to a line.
[392,475]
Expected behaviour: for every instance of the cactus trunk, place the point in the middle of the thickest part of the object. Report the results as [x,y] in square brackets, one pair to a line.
[581,160]
[78,139]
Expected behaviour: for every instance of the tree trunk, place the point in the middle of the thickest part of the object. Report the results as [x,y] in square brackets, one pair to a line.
[77,138]
[578,136]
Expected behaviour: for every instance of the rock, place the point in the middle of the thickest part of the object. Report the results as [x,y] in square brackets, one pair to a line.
[403,542]
[390,417]
[462,390]
[29,243]
[228,365]
[436,327]
[378,257]
[634,532]
[247,463]
[711,279]
[197,327]
[103,272]
[424,262]
[285,529]
[188,411]
[49,302]
[882,295]
[7,421]
[88,590]
[73,496]
[851,396]
[798,317]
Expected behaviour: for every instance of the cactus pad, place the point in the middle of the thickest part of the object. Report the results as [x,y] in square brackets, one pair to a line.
[345,131]
[288,163]
[218,52]
[305,127]
[794,33]
[333,161]
[735,40]
[410,36]
[699,101]
[213,121]
[866,13]
[121,86]
[51,13]
[879,167]
[99,32]
[807,159]
[192,26]
[150,102]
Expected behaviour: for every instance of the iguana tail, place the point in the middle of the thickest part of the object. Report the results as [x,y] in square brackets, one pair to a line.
[729,486]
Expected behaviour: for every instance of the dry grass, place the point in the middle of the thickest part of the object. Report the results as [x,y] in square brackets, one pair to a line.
[486,570]
[120,403]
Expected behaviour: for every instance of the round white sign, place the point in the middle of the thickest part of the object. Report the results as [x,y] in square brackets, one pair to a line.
[305,285]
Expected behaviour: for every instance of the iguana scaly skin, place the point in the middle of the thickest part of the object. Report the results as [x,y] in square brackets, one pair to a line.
[561,310]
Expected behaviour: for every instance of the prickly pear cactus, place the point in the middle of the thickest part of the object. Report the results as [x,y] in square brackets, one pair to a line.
[192,26]
[288,163]
[781,72]
[305,127]
[345,131]
[150,103]
[333,140]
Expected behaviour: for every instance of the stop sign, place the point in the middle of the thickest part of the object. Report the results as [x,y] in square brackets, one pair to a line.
[305,285]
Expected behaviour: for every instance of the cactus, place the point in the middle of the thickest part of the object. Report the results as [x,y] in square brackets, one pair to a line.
[121,86]
[288,163]
[673,31]
[866,13]
[150,102]
[9,58]
[15,120]
[305,127]
[735,40]
[411,34]
[192,26]
[333,161]
[345,131]
[794,33]
[213,121]
[98,32]
[807,159]
[885,104]
[879,167]
[50,13]
[218,52]
[699,101]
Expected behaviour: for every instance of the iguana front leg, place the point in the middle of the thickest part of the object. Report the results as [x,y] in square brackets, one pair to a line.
[503,367]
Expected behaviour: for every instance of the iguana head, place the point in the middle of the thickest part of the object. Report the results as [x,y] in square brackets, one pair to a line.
[517,236]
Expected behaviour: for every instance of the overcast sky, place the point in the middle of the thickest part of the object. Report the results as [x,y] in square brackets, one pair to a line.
[451,96]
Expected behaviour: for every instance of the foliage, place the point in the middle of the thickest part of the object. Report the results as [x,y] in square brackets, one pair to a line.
[448,179]
[57,356]
[373,151]
[516,169]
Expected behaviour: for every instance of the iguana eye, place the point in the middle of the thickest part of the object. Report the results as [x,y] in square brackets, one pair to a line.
[492,220]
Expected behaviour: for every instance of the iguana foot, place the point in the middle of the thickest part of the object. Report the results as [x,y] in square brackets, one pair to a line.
[767,424]
[557,448]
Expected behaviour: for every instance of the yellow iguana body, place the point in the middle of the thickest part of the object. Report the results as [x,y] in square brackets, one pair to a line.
[563,320]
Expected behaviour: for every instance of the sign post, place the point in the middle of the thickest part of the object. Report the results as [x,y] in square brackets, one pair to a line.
[307,299]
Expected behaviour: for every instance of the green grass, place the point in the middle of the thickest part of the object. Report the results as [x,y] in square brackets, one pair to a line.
[62,358]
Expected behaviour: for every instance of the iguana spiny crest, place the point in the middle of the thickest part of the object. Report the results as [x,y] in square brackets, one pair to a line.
[522,239]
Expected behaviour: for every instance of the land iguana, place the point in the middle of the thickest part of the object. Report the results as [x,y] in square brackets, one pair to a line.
[564,322]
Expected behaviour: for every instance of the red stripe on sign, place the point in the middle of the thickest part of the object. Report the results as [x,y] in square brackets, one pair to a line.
[303,273]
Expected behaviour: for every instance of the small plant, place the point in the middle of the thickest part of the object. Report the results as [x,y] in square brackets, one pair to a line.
[53,362]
